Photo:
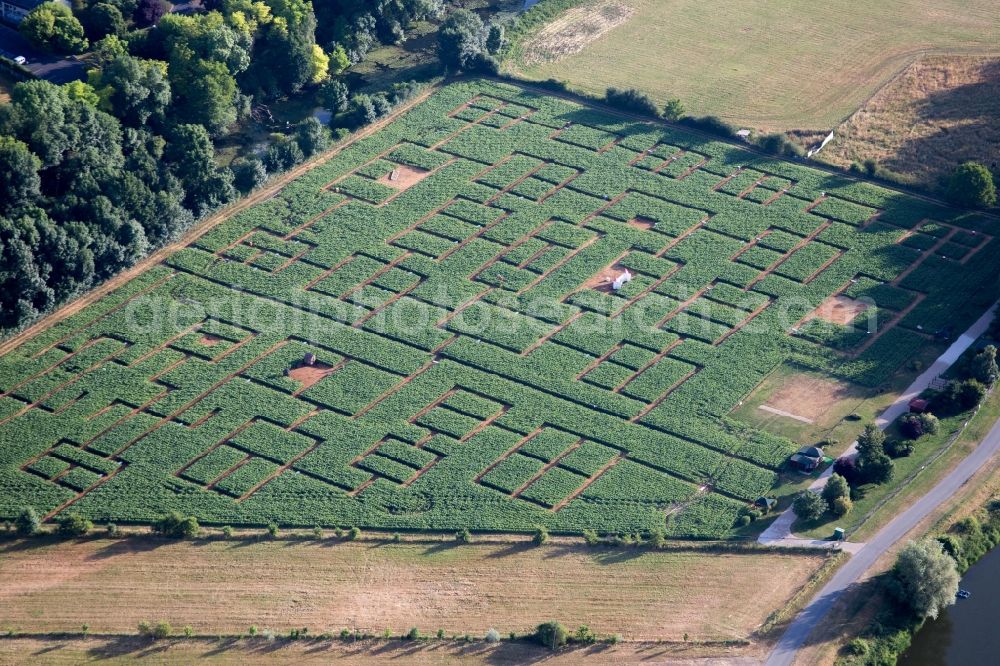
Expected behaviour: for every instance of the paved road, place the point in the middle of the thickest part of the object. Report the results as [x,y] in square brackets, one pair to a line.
[46,66]
[779,533]
[785,651]
[798,631]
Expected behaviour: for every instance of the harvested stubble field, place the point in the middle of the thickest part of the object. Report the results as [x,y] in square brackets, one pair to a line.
[941,111]
[329,586]
[774,64]
[470,372]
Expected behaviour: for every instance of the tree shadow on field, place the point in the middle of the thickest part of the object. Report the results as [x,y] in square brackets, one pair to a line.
[133,647]
[128,546]
[966,124]
[441,547]
[17,545]
[564,549]
[512,549]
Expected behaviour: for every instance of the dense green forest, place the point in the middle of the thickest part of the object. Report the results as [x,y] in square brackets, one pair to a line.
[95,174]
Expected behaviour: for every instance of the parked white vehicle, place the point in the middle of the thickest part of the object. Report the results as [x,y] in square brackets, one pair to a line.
[21,60]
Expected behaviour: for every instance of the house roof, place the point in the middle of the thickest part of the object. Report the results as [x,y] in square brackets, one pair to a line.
[810,452]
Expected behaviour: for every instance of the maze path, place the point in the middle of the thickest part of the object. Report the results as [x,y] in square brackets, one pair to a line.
[500,198]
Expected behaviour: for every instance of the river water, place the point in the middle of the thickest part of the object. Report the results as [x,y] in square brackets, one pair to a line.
[966,634]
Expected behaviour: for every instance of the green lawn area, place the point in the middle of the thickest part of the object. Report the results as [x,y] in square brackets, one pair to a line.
[775,64]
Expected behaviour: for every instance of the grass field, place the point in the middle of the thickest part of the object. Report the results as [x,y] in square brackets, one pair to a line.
[420,333]
[370,586]
[940,112]
[777,64]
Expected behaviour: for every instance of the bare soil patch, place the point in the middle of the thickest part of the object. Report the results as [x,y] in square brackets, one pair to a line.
[574,30]
[808,397]
[209,340]
[602,281]
[308,375]
[839,309]
[403,177]
[941,111]
[225,586]
[642,223]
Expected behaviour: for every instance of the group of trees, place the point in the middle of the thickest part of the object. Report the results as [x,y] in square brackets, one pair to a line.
[873,462]
[835,499]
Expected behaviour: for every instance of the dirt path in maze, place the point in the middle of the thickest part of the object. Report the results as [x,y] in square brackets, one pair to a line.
[273,187]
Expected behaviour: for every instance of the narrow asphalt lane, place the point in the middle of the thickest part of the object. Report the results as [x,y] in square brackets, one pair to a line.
[811,616]
[779,533]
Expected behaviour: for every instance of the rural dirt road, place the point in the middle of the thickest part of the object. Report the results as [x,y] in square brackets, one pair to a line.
[811,616]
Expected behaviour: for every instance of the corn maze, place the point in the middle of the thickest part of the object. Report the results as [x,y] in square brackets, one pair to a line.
[420,333]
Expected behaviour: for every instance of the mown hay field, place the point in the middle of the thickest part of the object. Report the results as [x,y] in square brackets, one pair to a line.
[421,332]
[370,586]
[774,64]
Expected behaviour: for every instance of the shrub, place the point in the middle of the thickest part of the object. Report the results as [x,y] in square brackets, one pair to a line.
[743,521]
[333,95]
[282,154]
[657,538]
[463,536]
[73,524]
[673,110]
[176,526]
[809,506]
[248,173]
[984,366]
[841,506]
[873,465]
[272,530]
[631,100]
[111,530]
[227,532]
[552,635]
[27,522]
[413,634]
[161,630]
[492,636]
[311,136]
[591,538]
[912,426]
[836,487]
[440,633]
[252,631]
[541,535]
[188,631]
[898,448]
[584,635]
[859,647]
[353,534]
[970,393]
[710,124]
[779,144]
[847,468]
[972,186]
